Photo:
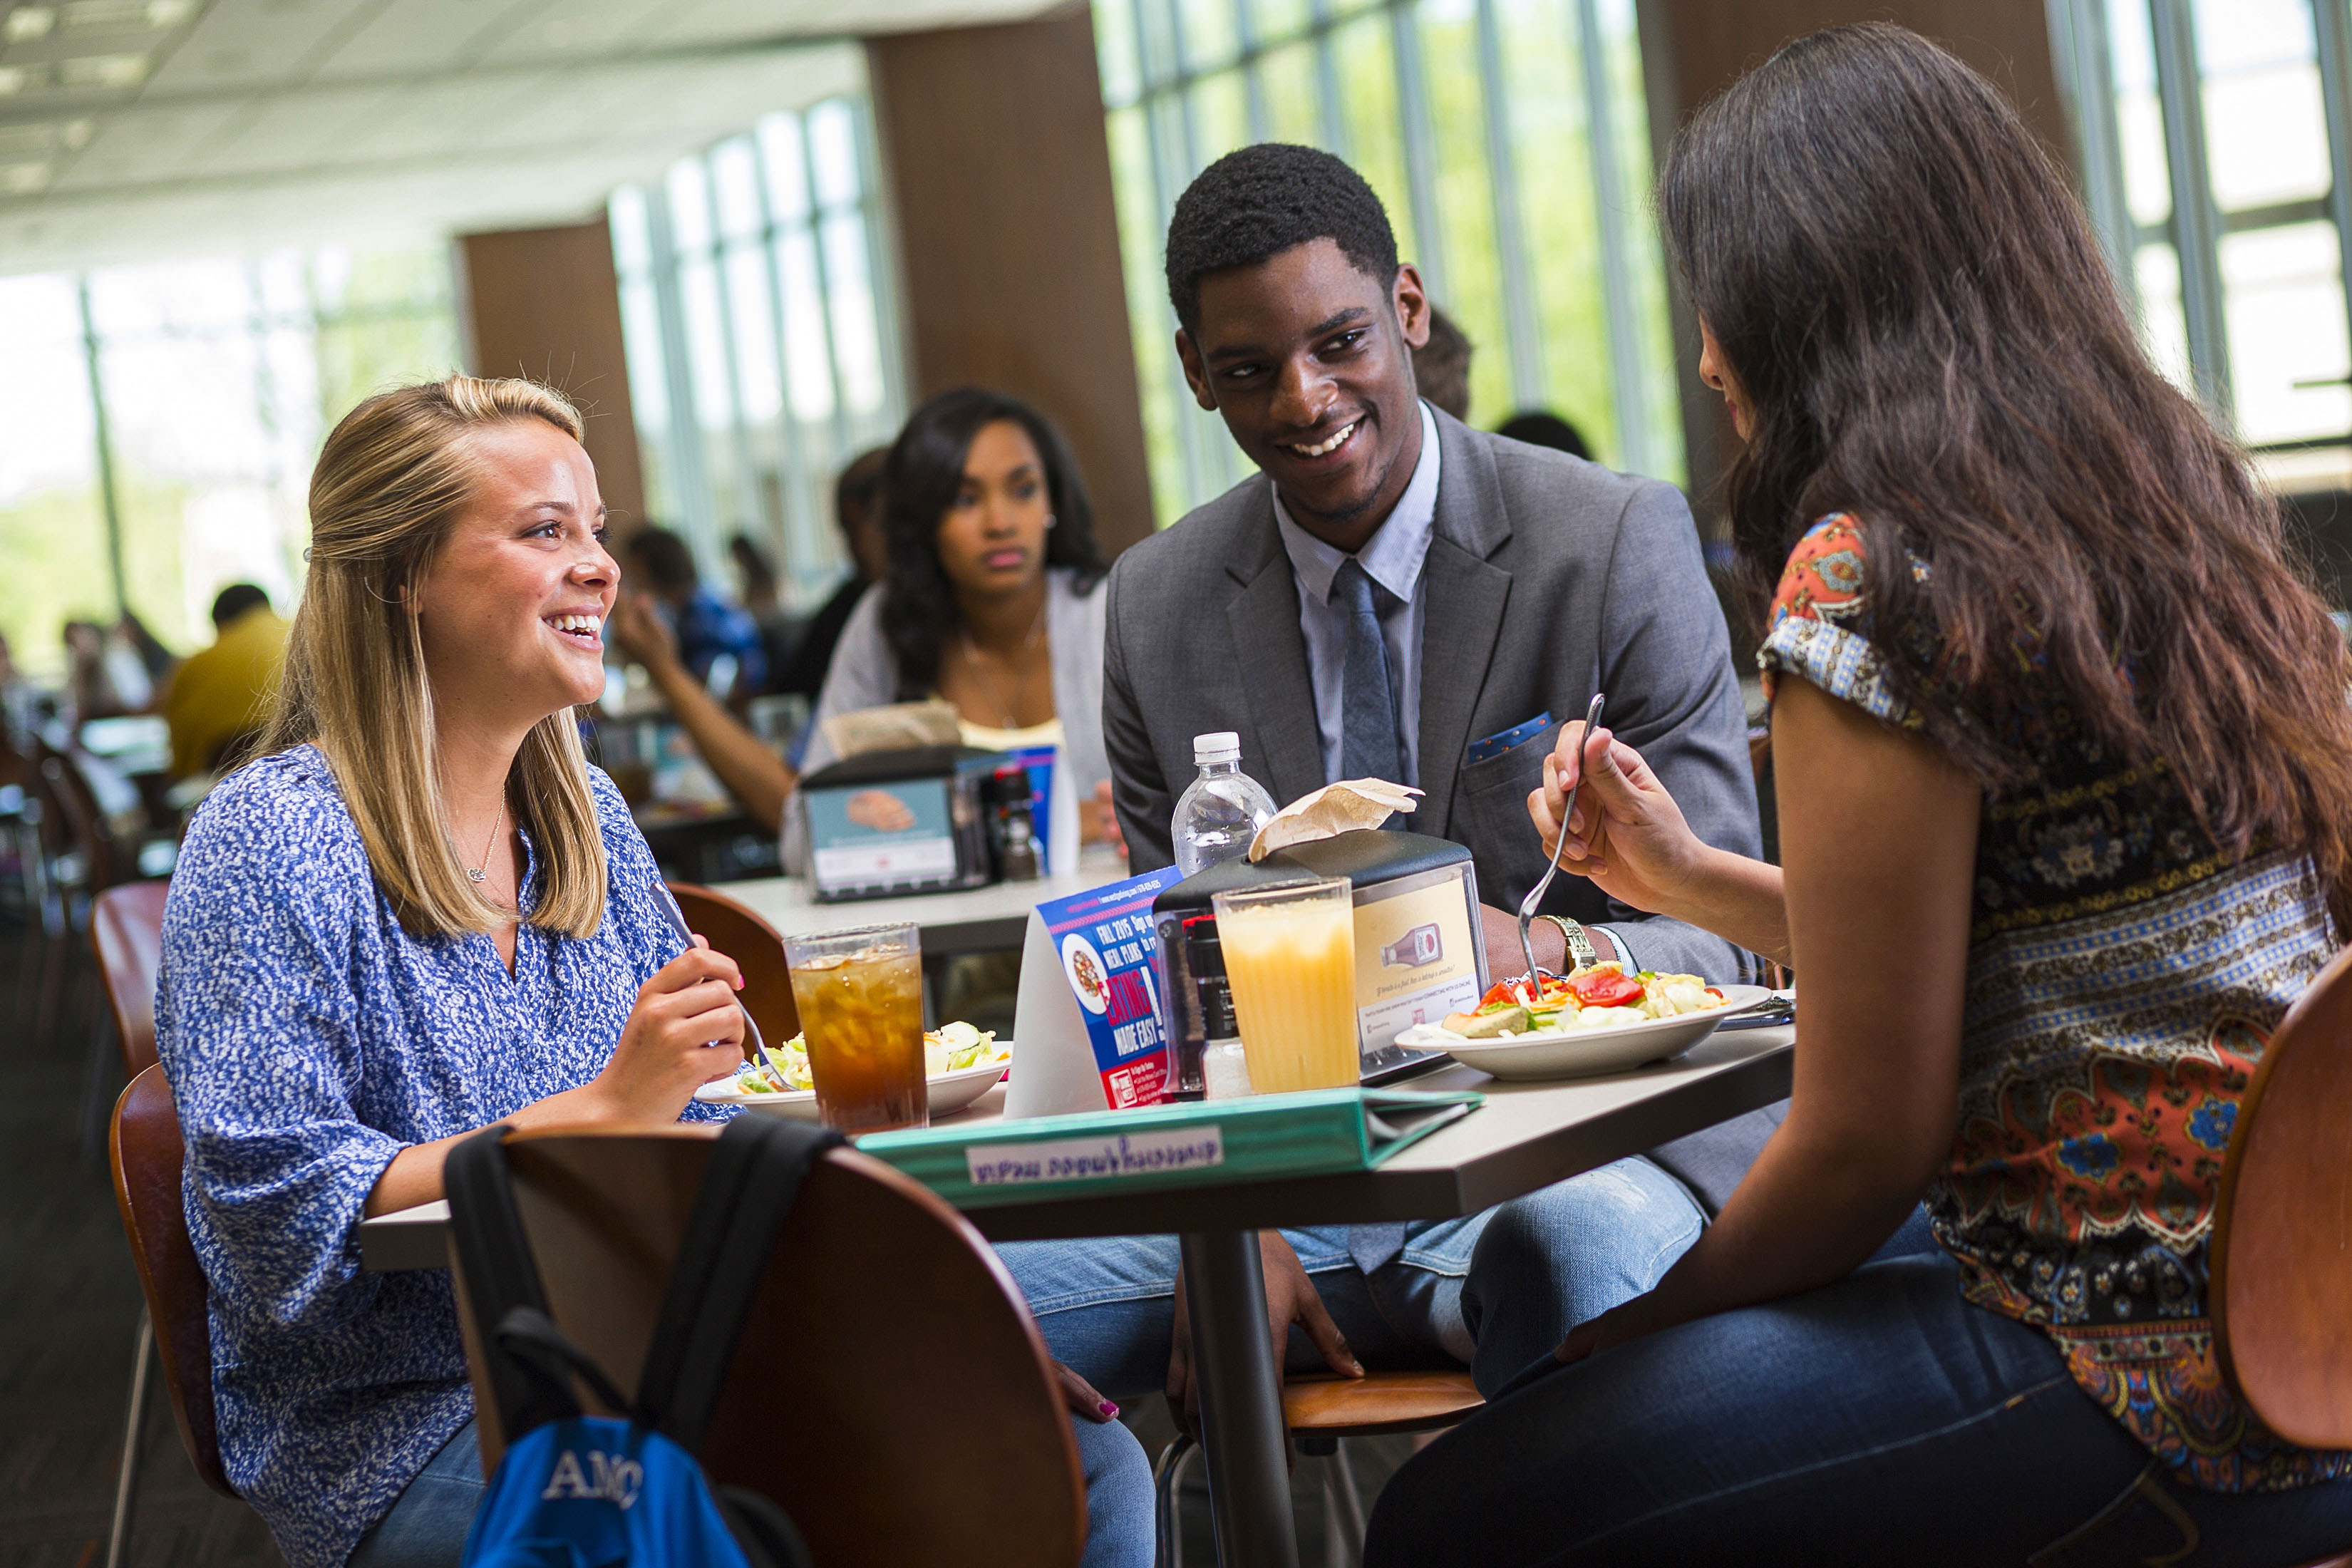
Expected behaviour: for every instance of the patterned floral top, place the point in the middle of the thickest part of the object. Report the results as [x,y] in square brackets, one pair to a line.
[2123,979]
[308,1039]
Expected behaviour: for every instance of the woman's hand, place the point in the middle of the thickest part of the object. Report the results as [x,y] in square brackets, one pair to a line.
[1627,835]
[685,1031]
[1081,1396]
[1621,1324]
[1290,1298]
[639,632]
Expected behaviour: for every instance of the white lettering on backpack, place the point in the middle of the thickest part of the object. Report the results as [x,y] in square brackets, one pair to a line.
[609,1478]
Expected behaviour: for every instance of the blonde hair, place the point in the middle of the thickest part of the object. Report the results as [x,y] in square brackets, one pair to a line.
[392,481]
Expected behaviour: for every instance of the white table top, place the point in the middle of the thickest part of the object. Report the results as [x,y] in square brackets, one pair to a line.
[1526,1136]
[980,919]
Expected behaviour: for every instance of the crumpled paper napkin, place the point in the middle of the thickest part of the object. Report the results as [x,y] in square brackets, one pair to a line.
[1327,812]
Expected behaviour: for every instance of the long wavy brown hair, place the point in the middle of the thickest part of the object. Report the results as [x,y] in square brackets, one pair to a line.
[1903,283]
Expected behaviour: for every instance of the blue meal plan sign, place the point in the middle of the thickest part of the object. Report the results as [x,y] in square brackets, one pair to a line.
[1109,956]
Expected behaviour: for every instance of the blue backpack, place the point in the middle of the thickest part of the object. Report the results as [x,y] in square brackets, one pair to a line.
[575,1490]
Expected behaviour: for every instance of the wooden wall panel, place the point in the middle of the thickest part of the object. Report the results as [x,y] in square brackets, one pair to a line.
[993,142]
[543,303]
[1692,49]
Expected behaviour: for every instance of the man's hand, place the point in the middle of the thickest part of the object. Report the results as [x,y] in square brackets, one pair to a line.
[1290,1298]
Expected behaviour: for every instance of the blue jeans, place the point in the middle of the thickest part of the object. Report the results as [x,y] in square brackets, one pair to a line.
[1492,1291]
[1881,1419]
[426,1527]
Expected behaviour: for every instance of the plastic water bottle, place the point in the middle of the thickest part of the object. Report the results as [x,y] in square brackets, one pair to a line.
[1221,810]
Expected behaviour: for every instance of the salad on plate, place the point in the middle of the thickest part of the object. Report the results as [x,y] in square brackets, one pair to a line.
[1597,996]
[950,1047]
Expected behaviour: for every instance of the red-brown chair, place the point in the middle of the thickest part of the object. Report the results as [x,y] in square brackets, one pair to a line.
[757,949]
[889,1390]
[2281,1247]
[126,927]
[147,1158]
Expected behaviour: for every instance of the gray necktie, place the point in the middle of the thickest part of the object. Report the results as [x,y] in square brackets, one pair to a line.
[1368,720]
[1368,749]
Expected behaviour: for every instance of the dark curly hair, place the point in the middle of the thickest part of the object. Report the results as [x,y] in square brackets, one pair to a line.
[1256,201]
[919,480]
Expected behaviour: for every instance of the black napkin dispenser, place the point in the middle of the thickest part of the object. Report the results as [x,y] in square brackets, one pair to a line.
[1419,953]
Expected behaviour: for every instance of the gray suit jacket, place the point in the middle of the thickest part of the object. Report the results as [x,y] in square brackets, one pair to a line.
[1548,579]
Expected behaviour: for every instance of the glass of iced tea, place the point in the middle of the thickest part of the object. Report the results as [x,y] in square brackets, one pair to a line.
[1290,957]
[860,995]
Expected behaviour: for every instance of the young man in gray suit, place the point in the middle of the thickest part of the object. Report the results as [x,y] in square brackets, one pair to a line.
[1401,596]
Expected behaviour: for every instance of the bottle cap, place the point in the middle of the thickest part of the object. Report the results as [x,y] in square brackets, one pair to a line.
[1224,746]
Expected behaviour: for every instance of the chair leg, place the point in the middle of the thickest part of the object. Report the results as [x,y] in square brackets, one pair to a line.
[126,1476]
[1343,1511]
[1166,1488]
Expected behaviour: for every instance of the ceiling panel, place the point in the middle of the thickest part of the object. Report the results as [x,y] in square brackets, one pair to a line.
[259,122]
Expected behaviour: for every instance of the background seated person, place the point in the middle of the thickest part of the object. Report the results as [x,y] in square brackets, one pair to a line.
[991,603]
[705,625]
[857,512]
[419,914]
[223,694]
[2064,802]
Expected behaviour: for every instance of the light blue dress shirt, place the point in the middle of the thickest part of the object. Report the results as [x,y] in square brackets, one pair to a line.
[1391,558]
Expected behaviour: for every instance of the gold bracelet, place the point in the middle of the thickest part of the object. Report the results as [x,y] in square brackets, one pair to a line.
[1577,944]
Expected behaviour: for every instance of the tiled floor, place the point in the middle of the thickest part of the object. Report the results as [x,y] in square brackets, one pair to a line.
[68,1314]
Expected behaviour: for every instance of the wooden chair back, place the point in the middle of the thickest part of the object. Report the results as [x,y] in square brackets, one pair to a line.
[126,927]
[147,1158]
[2282,1244]
[86,827]
[757,949]
[889,1391]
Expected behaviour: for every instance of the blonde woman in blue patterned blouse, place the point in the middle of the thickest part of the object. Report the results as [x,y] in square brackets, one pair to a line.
[421,912]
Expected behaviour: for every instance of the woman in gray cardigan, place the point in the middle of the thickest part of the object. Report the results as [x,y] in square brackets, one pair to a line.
[991,603]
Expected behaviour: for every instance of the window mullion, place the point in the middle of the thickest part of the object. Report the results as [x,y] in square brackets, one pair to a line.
[1420,146]
[1521,322]
[2335,40]
[2195,225]
[1629,389]
[686,455]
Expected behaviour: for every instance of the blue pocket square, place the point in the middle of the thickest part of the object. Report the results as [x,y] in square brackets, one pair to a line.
[1518,734]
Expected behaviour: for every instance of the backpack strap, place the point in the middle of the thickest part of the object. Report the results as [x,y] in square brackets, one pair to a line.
[748,1188]
[527,1378]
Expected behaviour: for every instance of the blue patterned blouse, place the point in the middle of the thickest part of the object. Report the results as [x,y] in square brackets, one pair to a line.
[308,1039]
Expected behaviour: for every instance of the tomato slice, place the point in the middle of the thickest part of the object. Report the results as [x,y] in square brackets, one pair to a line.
[1605,988]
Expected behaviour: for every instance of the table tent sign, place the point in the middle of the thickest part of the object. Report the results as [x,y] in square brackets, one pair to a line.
[1088,1025]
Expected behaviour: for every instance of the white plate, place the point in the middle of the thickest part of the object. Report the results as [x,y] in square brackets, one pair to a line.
[951,1092]
[1579,1052]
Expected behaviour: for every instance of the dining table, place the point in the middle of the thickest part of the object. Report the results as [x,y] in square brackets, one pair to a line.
[1523,1136]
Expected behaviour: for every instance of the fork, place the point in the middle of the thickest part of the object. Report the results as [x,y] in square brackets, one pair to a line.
[1529,905]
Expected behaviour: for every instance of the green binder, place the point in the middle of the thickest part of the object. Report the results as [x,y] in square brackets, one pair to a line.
[1200,1143]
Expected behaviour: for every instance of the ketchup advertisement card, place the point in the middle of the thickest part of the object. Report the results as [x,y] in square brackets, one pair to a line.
[1089,1027]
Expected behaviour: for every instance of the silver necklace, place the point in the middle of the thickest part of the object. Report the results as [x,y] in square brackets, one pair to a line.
[971,656]
[479,874]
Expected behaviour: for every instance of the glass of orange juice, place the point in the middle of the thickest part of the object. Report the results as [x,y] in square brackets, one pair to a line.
[1290,957]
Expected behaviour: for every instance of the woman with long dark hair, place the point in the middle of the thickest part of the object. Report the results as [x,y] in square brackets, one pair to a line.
[2065,779]
[990,600]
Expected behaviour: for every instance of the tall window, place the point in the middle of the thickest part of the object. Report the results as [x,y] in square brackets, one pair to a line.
[162,421]
[757,304]
[1507,138]
[2214,134]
